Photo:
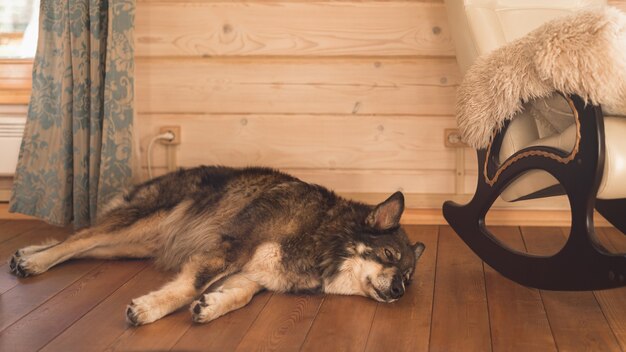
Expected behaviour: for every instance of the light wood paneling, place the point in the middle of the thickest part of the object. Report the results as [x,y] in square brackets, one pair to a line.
[353,95]
[305,86]
[272,28]
[380,181]
[305,141]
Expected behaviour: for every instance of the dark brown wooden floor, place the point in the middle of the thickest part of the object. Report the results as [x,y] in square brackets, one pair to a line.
[457,304]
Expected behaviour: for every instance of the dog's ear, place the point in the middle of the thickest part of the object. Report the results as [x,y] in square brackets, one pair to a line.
[387,214]
[418,248]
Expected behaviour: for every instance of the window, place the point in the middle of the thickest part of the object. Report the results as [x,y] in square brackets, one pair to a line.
[18,42]
[18,28]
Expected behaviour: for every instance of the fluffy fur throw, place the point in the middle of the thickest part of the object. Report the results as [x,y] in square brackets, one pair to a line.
[582,54]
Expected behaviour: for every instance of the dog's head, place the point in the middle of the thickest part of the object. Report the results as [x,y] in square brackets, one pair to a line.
[383,261]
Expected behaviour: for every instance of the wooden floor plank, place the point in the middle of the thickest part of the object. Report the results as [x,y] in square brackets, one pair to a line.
[613,302]
[36,235]
[342,324]
[20,296]
[104,323]
[225,333]
[35,291]
[614,238]
[283,324]
[39,327]
[405,324]
[578,323]
[161,335]
[10,229]
[79,305]
[460,316]
[7,281]
[517,315]
[20,234]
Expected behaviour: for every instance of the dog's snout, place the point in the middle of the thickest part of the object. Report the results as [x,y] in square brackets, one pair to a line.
[397,289]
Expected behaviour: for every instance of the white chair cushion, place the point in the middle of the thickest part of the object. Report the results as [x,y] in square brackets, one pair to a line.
[613,184]
[517,138]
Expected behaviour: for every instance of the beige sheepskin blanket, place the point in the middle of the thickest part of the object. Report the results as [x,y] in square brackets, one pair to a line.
[582,54]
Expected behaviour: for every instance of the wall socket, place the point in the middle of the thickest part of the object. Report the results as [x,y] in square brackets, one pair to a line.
[175,130]
[452,138]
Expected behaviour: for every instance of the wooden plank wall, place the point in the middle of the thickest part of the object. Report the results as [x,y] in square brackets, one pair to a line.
[350,94]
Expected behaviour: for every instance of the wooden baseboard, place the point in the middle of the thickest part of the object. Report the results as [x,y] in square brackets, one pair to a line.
[5,195]
[502,217]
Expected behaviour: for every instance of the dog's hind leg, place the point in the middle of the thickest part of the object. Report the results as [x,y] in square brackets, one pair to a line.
[136,240]
[196,274]
[234,293]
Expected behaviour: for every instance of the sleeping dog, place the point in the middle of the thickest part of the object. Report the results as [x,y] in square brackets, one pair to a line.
[230,233]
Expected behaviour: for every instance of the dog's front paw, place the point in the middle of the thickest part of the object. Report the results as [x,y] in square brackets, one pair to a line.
[23,266]
[140,312]
[205,309]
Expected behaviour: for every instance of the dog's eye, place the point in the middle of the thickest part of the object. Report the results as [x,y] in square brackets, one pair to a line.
[389,254]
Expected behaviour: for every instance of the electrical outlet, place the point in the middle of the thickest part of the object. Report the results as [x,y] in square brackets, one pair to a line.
[452,138]
[175,130]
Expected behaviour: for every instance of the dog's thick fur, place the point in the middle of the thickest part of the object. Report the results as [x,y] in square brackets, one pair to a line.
[234,232]
[582,54]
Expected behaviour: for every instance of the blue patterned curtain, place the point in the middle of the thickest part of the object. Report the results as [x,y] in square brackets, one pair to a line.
[76,151]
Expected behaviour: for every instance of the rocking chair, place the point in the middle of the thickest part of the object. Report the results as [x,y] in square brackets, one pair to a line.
[519,84]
